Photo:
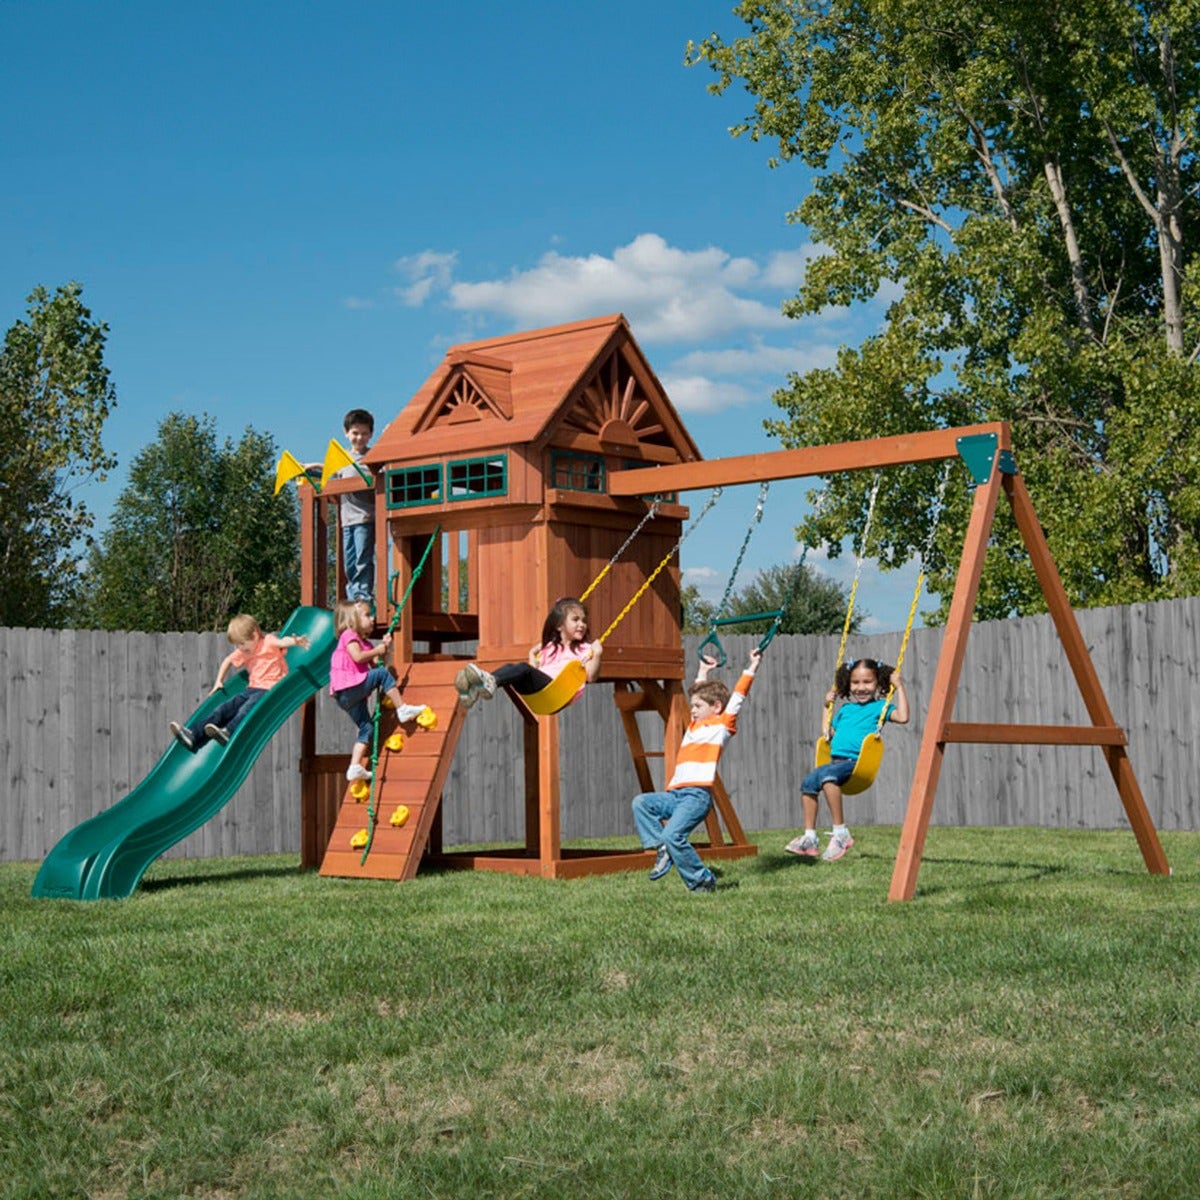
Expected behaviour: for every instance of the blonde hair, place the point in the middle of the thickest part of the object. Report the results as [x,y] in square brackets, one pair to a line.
[242,628]
[345,615]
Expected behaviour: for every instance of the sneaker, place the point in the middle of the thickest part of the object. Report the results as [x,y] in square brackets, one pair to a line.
[706,883]
[409,712]
[183,735]
[464,685]
[807,846]
[839,843]
[356,771]
[219,733]
[481,680]
[662,864]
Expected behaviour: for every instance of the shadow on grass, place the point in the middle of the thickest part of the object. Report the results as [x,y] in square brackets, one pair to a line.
[768,864]
[257,871]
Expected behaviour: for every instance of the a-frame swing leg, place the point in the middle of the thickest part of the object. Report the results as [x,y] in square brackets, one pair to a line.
[945,685]
[1084,669]
[949,670]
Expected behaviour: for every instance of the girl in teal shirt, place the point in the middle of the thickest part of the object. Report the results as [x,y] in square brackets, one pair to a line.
[862,686]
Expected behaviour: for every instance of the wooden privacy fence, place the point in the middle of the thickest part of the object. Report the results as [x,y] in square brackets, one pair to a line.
[85,715]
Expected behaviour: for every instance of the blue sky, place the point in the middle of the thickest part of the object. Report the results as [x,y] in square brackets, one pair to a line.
[285,210]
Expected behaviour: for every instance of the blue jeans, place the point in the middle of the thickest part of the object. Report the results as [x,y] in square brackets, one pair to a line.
[358,561]
[836,770]
[683,809]
[353,700]
[227,715]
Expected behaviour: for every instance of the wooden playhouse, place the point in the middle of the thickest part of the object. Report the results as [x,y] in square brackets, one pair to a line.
[503,461]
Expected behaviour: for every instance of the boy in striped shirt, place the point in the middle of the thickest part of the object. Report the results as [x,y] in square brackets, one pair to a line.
[688,798]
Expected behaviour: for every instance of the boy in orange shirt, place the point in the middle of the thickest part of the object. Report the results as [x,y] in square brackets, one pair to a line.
[688,798]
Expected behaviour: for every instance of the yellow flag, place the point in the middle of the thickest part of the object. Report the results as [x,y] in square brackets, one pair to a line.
[289,468]
[337,458]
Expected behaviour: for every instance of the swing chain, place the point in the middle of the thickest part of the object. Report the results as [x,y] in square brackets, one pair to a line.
[651,512]
[716,495]
[763,489]
[862,558]
[938,505]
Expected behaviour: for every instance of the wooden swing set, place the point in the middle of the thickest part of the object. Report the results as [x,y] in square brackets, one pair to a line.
[987,452]
[510,476]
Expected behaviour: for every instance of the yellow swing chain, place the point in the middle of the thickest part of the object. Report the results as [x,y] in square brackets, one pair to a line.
[716,493]
[858,566]
[938,504]
[650,512]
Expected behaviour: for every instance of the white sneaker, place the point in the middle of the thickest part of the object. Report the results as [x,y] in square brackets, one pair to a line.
[839,843]
[481,680]
[357,771]
[409,712]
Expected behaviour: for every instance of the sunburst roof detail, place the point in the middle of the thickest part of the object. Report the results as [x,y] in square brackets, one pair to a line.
[614,405]
[477,386]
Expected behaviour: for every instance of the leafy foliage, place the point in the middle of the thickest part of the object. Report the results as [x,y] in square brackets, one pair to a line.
[197,535]
[1020,178]
[55,396]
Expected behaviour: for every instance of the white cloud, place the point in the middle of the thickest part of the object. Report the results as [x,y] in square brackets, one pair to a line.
[695,393]
[720,309]
[785,269]
[758,359]
[669,294]
[426,272]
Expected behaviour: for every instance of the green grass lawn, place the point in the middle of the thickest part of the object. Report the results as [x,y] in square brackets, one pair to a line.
[1028,1027]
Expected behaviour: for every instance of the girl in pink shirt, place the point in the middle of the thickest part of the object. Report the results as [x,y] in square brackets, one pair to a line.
[564,640]
[352,678]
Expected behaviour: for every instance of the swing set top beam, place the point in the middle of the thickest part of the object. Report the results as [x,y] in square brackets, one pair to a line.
[930,446]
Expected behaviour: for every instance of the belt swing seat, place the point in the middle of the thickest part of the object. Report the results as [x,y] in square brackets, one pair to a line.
[562,689]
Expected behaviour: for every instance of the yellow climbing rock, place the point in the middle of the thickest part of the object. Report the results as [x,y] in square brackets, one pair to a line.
[400,815]
[359,840]
[396,741]
[427,718]
[360,789]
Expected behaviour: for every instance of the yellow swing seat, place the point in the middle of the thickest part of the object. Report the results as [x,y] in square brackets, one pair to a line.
[559,692]
[866,766]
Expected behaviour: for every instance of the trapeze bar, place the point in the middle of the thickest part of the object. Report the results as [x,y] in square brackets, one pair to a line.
[757,616]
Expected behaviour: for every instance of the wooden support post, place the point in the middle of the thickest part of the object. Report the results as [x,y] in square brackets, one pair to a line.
[550,819]
[945,685]
[1084,669]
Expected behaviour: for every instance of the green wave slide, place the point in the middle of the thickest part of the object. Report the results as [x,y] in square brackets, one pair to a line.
[105,857]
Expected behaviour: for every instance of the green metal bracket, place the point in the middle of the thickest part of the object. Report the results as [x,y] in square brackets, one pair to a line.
[978,451]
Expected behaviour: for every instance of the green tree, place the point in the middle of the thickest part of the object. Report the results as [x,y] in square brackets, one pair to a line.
[55,395]
[197,535]
[697,613]
[811,604]
[1020,177]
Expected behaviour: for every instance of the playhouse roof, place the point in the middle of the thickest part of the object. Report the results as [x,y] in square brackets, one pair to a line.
[586,384]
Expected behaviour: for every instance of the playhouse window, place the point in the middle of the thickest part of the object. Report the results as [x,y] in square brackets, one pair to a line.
[577,472]
[409,486]
[474,478]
